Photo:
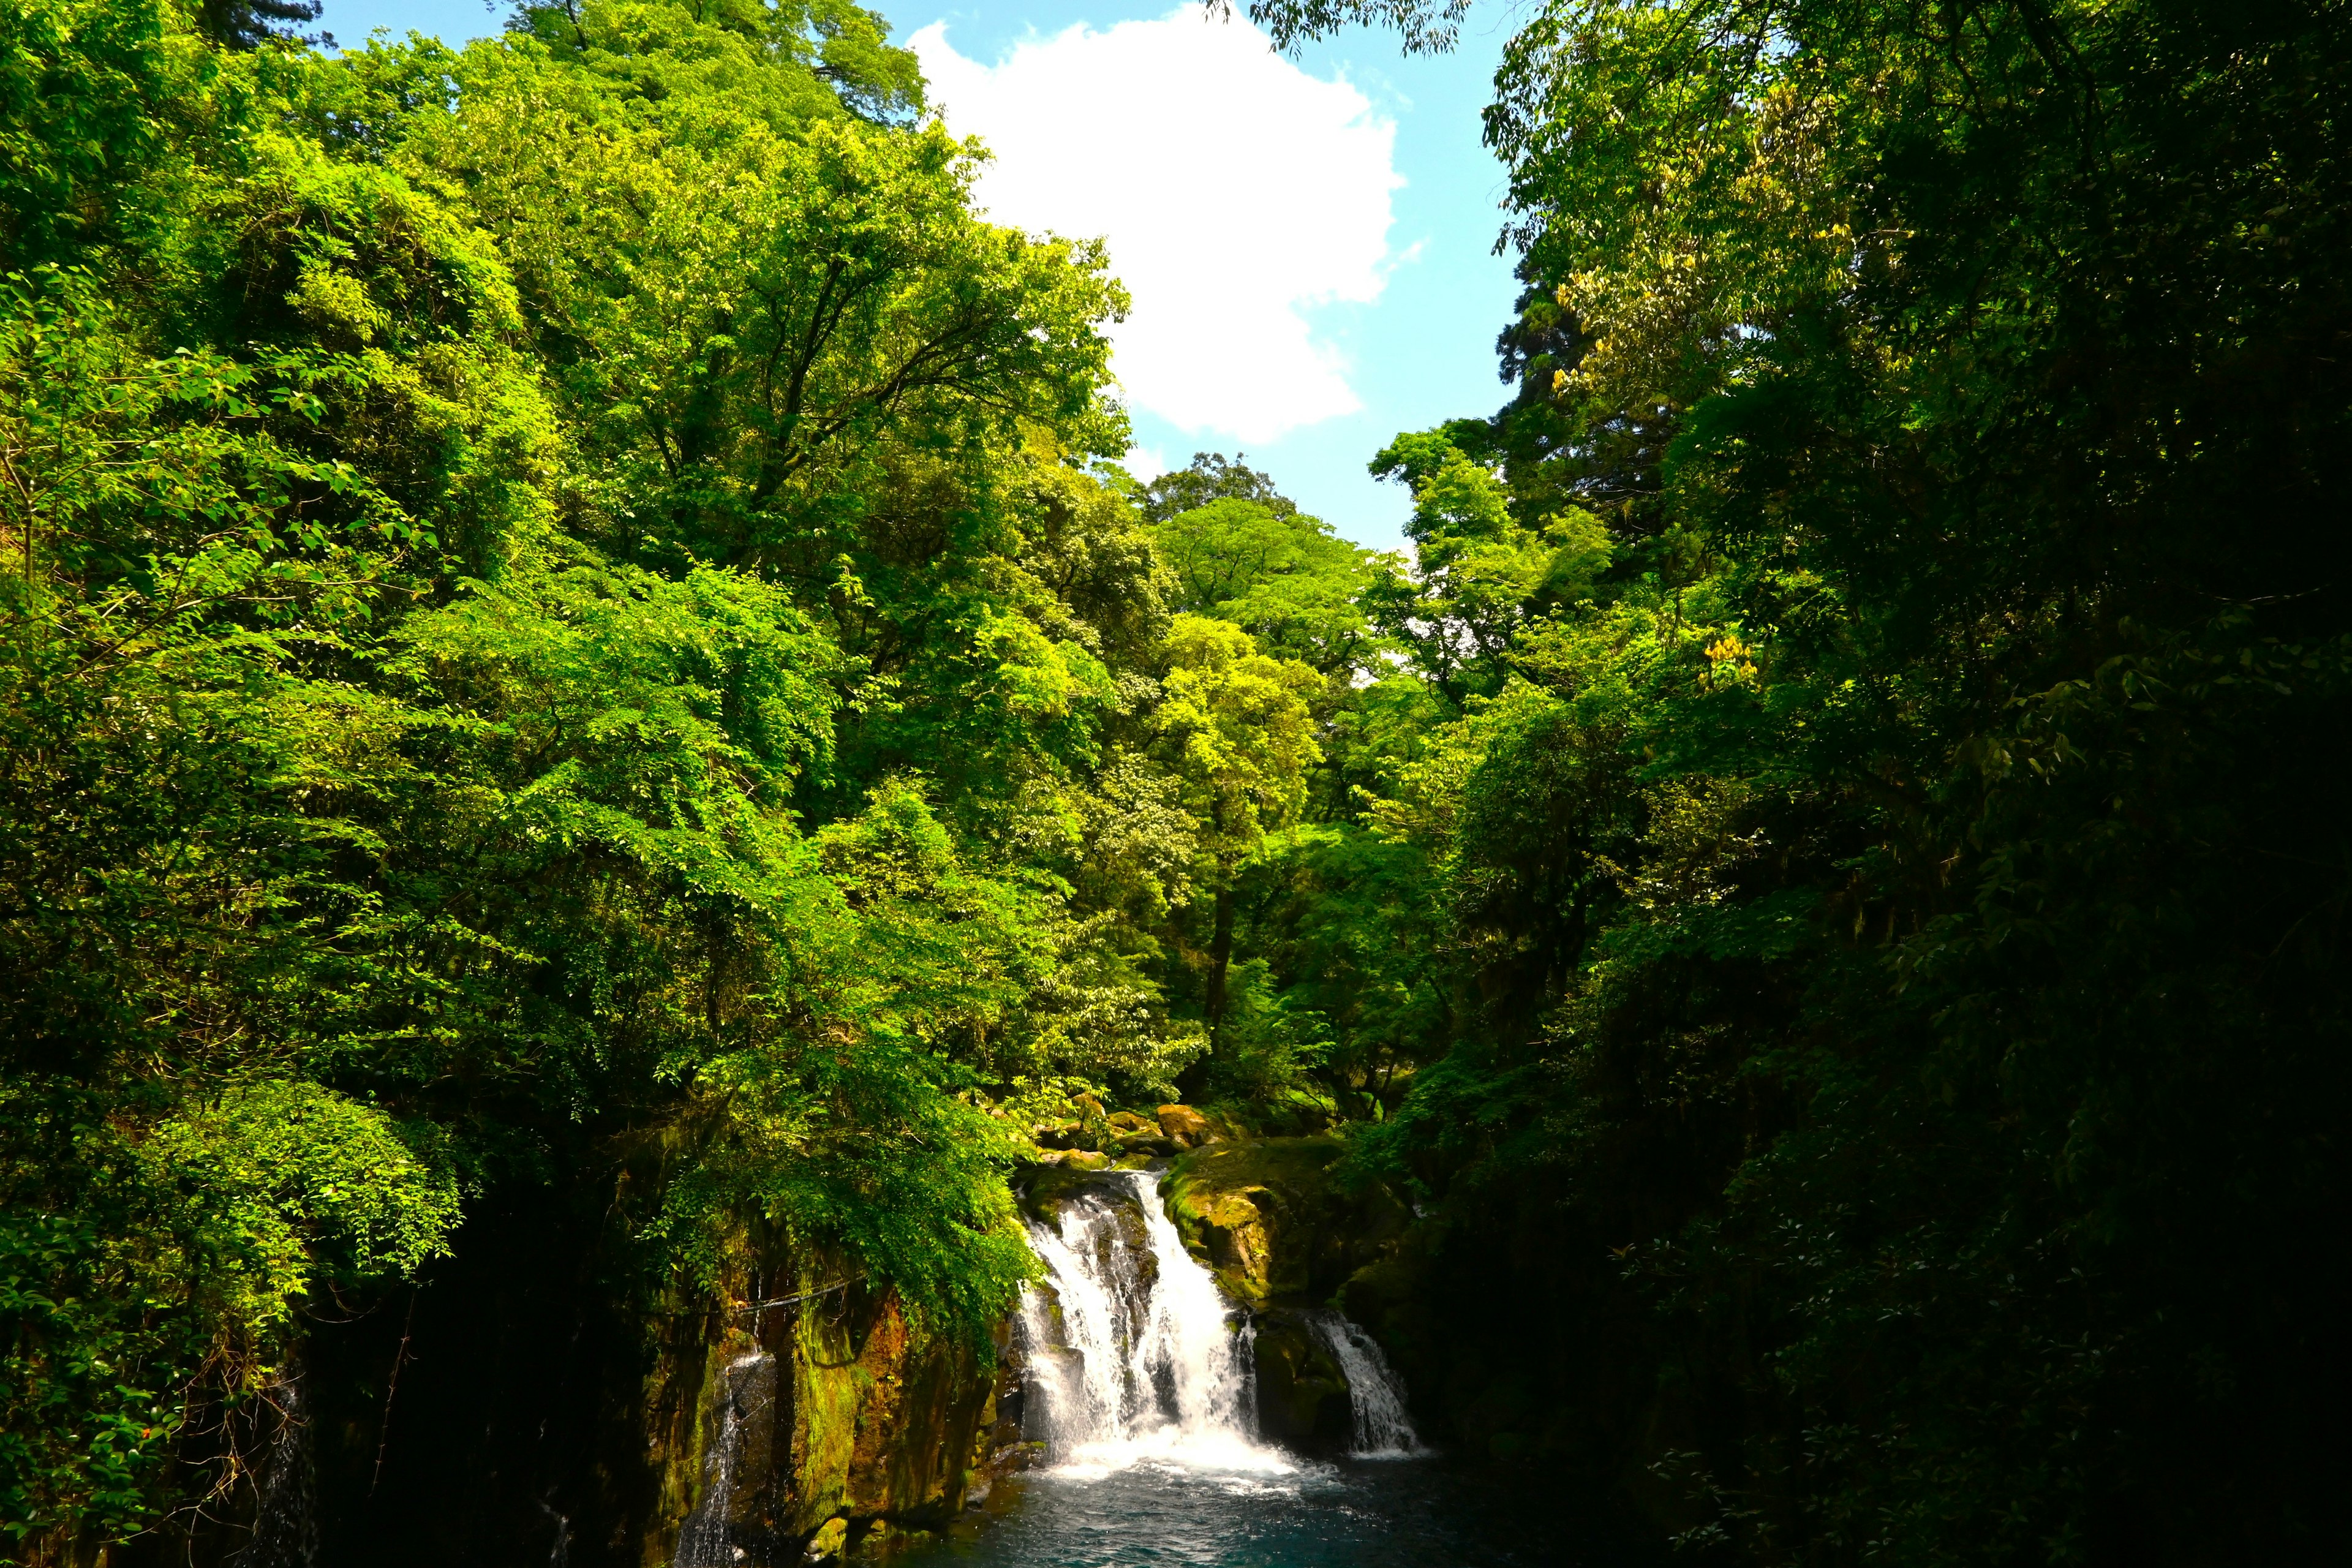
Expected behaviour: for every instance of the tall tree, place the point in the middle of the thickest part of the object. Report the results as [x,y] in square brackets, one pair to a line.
[249,24]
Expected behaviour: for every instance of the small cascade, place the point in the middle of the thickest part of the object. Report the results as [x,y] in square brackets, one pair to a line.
[1382,1429]
[559,1555]
[702,1540]
[1143,1358]
[286,1523]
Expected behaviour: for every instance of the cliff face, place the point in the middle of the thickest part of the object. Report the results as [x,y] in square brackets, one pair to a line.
[825,1419]
[533,1403]
[530,1404]
[1268,1217]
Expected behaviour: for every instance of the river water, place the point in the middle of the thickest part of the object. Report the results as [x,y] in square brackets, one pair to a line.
[1181,1512]
[1139,1384]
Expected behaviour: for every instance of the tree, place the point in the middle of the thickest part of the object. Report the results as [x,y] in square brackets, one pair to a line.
[1234,729]
[1284,577]
[1212,477]
[405,810]
[249,24]
[1480,575]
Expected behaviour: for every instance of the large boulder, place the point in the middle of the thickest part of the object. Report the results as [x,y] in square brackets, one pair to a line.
[1042,1191]
[1186,1127]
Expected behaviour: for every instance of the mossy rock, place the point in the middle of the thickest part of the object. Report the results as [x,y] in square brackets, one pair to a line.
[1143,1146]
[882,1538]
[1270,1219]
[1190,1127]
[1045,1189]
[828,1541]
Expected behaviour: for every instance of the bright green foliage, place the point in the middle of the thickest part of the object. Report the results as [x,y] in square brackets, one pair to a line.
[1211,477]
[751,321]
[1234,723]
[1236,735]
[1285,579]
[783,63]
[1481,575]
[552,604]
[183,582]
[75,86]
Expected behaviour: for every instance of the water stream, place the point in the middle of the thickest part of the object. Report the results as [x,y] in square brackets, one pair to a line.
[1139,1381]
[703,1540]
[286,1522]
[1133,1351]
[1383,1430]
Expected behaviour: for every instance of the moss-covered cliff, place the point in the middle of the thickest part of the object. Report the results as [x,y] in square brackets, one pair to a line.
[539,1401]
[823,1418]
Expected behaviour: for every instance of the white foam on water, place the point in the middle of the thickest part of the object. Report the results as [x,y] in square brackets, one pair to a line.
[1136,1355]
[1171,1447]
[1137,1359]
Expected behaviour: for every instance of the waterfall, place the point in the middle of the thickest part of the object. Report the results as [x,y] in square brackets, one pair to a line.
[560,1556]
[1134,1352]
[286,1524]
[702,1541]
[1383,1430]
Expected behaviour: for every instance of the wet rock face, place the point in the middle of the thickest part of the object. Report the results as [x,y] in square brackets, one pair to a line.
[1075,1159]
[1286,1237]
[1046,1191]
[823,1418]
[1302,1393]
[1270,1219]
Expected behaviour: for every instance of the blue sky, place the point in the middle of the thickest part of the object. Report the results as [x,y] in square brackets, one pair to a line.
[1310,241]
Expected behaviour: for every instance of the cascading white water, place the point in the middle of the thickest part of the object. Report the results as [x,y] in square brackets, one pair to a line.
[1383,1429]
[749,1390]
[286,1524]
[1145,1360]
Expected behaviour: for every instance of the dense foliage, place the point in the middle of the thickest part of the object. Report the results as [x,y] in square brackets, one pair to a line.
[1889,881]
[568,616]
[558,612]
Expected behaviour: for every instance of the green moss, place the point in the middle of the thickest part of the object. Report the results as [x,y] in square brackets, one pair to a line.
[1043,1190]
[1297,1163]
[1272,1222]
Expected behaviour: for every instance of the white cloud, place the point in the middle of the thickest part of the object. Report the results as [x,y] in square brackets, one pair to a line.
[1236,190]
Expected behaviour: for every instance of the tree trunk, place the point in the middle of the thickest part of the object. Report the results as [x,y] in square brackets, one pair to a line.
[1221,953]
